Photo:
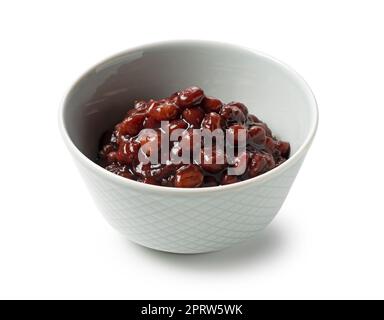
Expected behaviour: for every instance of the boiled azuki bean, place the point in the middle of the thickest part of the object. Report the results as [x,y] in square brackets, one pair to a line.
[256,136]
[284,148]
[239,105]
[188,110]
[227,179]
[193,116]
[232,114]
[189,177]
[128,152]
[210,104]
[177,124]
[132,125]
[257,165]
[164,110]
[189,96]
[212,121]
[151,123]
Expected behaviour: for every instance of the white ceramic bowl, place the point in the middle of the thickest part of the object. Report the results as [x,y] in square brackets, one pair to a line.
[189,220]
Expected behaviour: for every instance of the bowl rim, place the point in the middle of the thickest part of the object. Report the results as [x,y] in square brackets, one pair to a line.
[113,178]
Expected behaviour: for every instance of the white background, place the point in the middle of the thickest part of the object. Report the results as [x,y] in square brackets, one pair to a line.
[328,239]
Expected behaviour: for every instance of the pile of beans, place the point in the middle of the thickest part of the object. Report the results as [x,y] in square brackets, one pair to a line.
[190,109]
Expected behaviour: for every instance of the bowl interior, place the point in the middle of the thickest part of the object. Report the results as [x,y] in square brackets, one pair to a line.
[271,91]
